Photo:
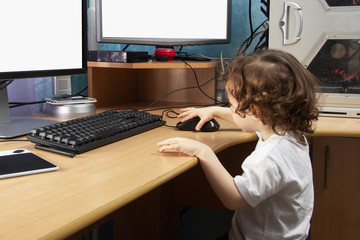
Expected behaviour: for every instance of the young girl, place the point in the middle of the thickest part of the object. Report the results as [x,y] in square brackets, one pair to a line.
[272,94]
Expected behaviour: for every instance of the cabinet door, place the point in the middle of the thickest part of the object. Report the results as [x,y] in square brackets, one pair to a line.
[336,168]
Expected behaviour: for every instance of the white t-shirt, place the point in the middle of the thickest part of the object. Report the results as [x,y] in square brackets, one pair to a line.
[278,186]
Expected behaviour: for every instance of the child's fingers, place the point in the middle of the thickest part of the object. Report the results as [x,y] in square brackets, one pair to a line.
[187,113]
[183,145]
[168,147]
[170,144]
[167,142]
[200,124]
[186,109]
[164,148]
[184,114]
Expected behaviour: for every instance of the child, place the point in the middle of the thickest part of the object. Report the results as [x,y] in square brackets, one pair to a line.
[272,94]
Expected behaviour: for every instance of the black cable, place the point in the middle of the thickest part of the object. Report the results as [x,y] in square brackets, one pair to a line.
[79,92]
[197,82]
[71,95]
[262,38]
[180,89]
[177,90]
[4,84]
[171,107]
[166,112]
[192,56]
[247,42]
[265,11]
[250,19]
[179,106]
[19,104]
[127,45]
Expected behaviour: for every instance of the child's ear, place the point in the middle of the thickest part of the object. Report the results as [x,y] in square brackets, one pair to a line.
[255,111]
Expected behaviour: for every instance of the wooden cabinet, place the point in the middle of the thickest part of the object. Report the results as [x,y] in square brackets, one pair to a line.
[336,168]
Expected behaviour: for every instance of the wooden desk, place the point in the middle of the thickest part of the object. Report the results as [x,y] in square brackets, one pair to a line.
[94,185]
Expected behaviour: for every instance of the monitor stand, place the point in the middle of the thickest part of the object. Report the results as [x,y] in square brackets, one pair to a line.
[11,127]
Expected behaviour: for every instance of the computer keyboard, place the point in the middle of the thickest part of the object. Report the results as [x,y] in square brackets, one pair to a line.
[86,133]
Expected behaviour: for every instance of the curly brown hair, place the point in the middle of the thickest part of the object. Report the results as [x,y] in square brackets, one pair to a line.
[282,88]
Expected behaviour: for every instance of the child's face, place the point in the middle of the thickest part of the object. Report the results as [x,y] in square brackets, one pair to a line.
[248,123]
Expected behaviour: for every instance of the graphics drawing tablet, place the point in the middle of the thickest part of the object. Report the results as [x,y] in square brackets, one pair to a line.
[21,162]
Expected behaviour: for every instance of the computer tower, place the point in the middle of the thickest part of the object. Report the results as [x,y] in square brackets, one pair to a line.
[324,35]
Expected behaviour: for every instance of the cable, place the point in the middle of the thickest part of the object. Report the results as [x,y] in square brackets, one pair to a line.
[71,95]
[247,42]
[181,89]
[171,111]
[127,45]
[19,104]
[186,54]
[197,83]
[250,19]
[265,11]
[178,106]
[177,90]
[262,41]
[166,112]
[82,90]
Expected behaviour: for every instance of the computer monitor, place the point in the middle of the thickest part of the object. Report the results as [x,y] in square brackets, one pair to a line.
[39,38]
[162,22]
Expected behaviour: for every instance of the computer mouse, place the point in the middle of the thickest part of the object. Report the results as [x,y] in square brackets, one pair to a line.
[189,125]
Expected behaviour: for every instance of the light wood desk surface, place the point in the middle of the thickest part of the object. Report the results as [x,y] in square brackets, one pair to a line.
[94,184]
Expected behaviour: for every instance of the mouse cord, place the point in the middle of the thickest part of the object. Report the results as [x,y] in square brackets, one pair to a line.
[168,113]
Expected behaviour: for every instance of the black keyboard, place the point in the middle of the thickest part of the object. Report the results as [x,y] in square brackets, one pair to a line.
[83,134]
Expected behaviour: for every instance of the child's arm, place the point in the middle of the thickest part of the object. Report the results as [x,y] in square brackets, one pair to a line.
[205,114]
[220,180]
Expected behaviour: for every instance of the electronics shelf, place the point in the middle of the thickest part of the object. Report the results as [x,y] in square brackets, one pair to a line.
[116,83]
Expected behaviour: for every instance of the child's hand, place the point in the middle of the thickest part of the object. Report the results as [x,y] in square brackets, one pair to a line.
[184,145]
[219,178]
[205,115]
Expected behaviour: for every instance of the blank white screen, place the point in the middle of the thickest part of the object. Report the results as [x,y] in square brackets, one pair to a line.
[40,35]
[184,19]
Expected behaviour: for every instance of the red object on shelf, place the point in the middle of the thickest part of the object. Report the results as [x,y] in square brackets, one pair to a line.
[165,53]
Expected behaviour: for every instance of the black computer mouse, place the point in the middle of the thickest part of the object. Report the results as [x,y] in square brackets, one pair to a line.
[189,125]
